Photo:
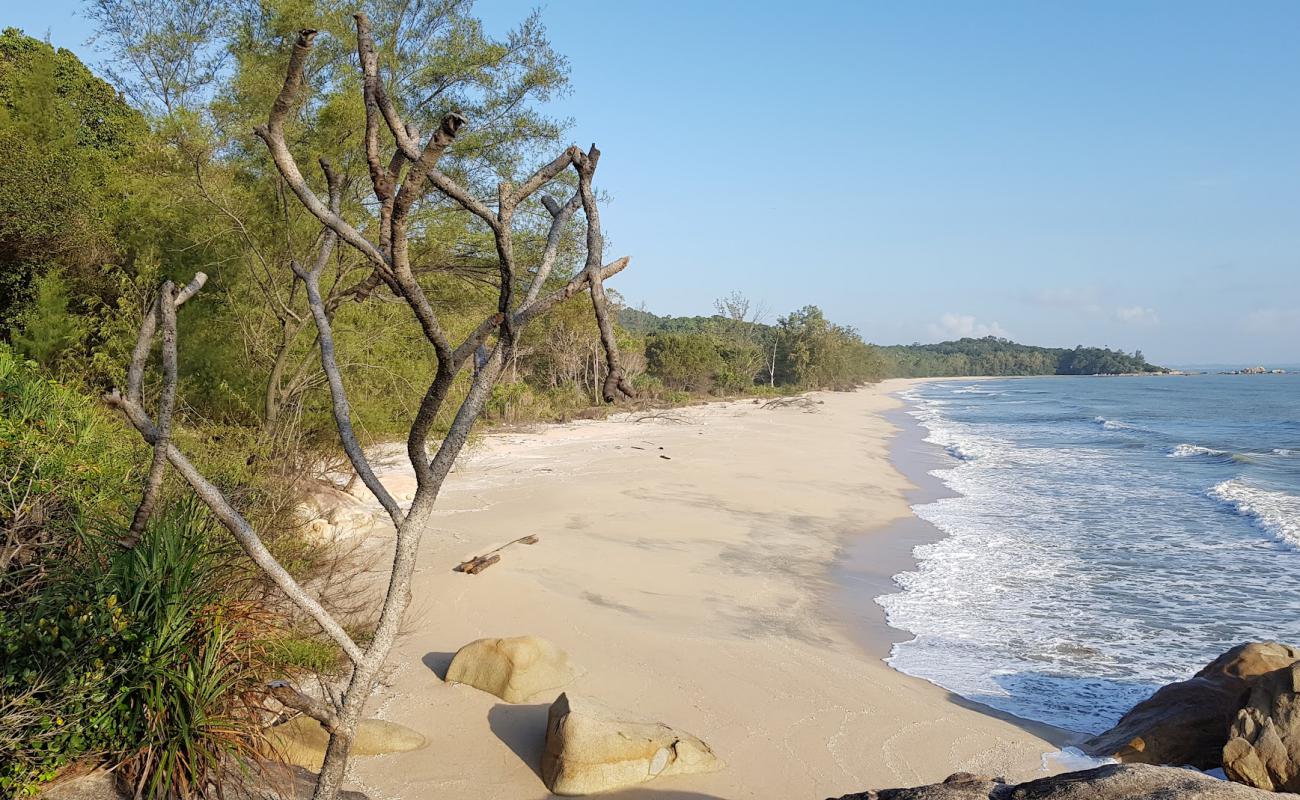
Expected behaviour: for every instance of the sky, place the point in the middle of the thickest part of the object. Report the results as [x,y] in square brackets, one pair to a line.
[1124,174]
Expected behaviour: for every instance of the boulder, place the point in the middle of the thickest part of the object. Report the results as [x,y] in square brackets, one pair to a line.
[514,669]
[1187,722]
[1111,782]
[1263,748]
[590,749]
[302,741]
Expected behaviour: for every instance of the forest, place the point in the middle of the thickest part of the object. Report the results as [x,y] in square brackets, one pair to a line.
[136,634]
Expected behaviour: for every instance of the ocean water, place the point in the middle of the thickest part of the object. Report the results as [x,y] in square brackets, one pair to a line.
[1109,535]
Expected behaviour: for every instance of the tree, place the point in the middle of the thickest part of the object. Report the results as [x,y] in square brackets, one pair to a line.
[399,182]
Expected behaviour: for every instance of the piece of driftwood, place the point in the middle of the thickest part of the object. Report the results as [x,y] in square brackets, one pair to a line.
[808,405]
[479,563]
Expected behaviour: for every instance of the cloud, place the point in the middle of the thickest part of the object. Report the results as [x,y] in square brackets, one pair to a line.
[1092,301]
[960,326]
[1272,321]
[1136,315]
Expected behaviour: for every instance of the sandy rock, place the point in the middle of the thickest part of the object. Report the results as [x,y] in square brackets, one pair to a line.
[1263,748]
[1112,782]
[1187,722]
[590,749]
[514,669]
[302,741]
[271,782]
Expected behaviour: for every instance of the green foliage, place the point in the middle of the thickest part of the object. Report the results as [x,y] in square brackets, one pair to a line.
[733,354]
[64,136]
[994,356]
[683,361]
[136,656]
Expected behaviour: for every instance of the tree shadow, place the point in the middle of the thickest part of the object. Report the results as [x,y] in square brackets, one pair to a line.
[523,729]
[438,663]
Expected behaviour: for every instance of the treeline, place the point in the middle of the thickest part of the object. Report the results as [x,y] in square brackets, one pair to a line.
[995,356]
[732,351]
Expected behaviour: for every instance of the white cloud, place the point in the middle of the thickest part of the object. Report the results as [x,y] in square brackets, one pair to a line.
[1092,301]
[1136,315]
[960,326]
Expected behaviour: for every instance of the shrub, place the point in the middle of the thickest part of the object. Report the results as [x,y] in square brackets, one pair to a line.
[685,361]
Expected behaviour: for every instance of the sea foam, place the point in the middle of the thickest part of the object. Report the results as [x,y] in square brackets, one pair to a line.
[1277,513]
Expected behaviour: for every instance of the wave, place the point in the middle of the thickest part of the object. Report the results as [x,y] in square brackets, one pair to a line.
[1284,451]
[1114,424]
[1193,450]
[1277,513]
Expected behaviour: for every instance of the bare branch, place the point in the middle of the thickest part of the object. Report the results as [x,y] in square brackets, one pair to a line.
[272,133]
[560,216]
[289,697]
[325,340]
[144,340]
[166,305]
[615,381]
[238,527]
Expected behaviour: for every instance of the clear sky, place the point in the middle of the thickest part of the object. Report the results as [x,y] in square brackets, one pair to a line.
[1110,173]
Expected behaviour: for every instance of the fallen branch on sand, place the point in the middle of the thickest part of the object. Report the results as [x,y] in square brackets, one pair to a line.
[479,563]
[808,405]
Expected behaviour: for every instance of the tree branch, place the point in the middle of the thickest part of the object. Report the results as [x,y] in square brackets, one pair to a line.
[166,305]
[615,382]
[325,341]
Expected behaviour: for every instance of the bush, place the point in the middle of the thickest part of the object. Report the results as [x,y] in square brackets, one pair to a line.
[134,656]
[686,361]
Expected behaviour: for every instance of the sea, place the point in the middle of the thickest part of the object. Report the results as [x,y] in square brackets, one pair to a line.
[1106,536]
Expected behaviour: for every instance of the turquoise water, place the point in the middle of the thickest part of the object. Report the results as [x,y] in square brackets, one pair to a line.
[1109,535]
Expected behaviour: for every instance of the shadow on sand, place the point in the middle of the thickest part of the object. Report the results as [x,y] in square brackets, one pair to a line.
[438,663]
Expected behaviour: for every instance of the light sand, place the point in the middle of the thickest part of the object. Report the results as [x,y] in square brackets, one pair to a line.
[694,590]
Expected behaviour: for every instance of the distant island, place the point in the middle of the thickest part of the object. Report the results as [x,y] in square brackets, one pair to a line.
[987,356]
[995,356]
[1253,371]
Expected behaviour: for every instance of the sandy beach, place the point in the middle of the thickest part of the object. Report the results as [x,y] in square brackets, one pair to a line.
[687,564]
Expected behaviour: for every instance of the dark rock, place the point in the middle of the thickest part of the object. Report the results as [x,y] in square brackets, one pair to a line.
[1187,722]
[1263,748]
[1112,782]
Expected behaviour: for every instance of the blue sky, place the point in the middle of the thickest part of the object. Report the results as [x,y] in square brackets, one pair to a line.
[1112,173]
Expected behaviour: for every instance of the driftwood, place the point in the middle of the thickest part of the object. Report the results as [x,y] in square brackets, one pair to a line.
[479,563]
[808,405]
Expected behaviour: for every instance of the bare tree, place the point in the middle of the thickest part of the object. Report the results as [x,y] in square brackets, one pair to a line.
[399,182]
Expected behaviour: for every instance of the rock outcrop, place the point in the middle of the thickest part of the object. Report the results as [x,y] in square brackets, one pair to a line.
[1112,782]
[1187,722]
[1263,748]
[514,669]
[302,741]
[591,749]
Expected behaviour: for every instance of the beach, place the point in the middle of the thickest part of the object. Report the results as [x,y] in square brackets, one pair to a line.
[691,564]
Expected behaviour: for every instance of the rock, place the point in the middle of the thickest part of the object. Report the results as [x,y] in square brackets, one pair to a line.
[302,741]
[513,669]
[590,748]
[1187,722]
[1111,782]
[1263,748]
[265,782]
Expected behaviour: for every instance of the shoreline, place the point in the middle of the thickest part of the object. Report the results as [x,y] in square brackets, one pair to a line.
[697,589]
[871,561]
